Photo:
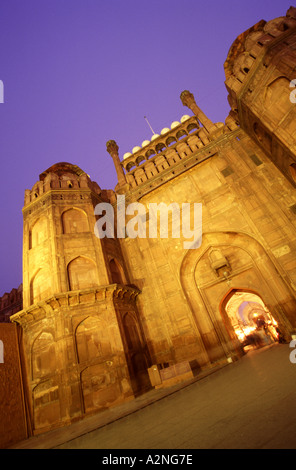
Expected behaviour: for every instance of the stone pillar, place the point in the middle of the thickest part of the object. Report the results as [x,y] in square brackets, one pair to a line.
[188,100]
[112,148]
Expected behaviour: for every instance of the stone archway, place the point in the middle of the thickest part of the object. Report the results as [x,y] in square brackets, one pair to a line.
[229,260]
[247,314]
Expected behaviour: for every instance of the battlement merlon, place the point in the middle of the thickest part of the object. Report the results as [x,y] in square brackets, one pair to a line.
[168,149]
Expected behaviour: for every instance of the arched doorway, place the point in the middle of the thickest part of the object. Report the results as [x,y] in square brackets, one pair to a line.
[82,273]
[227,261]
[250,318]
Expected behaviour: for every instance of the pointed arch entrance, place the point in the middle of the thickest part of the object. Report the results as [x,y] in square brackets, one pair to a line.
[227,261]
[250,318]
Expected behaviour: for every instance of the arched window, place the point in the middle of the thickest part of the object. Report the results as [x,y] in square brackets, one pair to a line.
[92,339]
[40,286]
[192,127]
[140,159]
[129,166]
[160,147]
[116,272]
[82,273]
[43,355]
[150,153]
[181,134]
[74,221]
[171,141]
[38,232]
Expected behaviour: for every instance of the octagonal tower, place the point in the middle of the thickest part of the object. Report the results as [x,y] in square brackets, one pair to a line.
[83,342]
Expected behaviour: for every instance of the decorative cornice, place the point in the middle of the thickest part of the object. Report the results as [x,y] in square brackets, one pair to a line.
[79,196]
[66,300]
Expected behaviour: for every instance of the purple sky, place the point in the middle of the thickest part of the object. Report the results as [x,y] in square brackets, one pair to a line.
[77,73]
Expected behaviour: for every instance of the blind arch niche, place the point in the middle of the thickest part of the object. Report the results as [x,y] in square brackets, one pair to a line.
[82,273]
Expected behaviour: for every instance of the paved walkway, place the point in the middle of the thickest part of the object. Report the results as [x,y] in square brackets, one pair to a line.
[248,404]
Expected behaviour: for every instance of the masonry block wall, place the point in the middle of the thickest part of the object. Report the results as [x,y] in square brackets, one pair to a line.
[248,218]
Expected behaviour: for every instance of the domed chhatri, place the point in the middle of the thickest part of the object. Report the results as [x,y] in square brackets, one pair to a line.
[61,168]
[155,136]
[184,118]
[136,149]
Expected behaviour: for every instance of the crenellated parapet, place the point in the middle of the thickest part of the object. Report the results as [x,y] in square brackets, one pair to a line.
[169,149]
[169,141]
[61,176]
[164,150]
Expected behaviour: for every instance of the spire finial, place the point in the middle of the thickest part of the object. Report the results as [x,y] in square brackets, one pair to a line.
[112,149]
[188,100]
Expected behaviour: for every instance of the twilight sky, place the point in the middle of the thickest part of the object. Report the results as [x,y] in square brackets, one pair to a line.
[77,73]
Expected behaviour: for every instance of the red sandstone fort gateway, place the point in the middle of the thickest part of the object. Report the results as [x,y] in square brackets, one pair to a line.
[104,320]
